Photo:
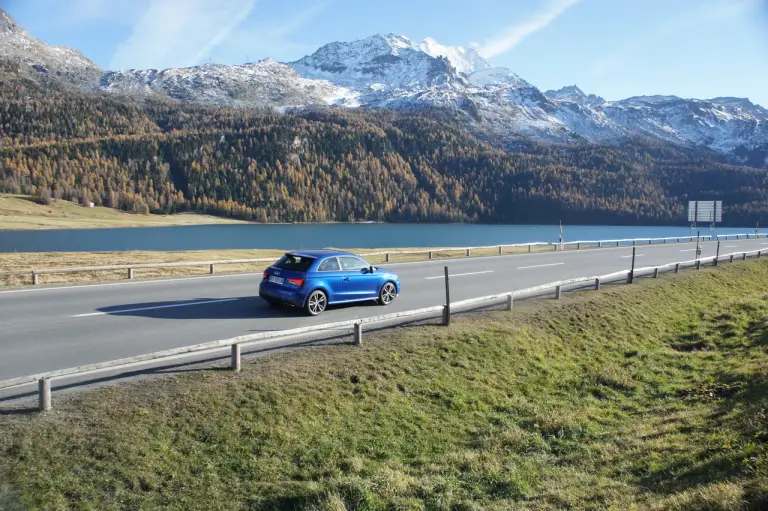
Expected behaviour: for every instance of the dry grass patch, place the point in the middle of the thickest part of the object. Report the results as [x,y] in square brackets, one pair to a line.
[18,212]
[11,262]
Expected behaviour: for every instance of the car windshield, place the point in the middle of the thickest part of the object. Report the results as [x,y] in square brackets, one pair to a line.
[294,263]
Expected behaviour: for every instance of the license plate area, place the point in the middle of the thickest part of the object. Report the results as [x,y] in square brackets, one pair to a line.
[277,280]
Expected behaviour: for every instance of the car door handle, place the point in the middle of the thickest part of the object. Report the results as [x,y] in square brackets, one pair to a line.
[346,278]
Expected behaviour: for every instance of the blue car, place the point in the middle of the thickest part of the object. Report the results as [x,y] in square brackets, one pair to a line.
[315,279]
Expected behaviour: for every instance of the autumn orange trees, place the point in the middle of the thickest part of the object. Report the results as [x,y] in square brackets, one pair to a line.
[335,165]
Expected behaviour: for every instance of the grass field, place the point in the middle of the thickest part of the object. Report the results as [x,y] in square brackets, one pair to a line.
[652,396]
[18,212]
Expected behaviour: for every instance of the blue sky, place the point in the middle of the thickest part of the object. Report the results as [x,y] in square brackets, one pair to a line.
[613,48]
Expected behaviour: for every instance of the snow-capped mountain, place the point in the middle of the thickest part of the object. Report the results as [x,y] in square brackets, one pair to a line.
[34,56]
[464,60]
[734,126]
[494,76]
[391,71]
[263,84]
[573,94]
[378,63]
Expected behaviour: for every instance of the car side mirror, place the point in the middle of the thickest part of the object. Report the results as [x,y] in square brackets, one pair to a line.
[371,269]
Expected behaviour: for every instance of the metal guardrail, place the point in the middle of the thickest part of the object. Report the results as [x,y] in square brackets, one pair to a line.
[236,343]
[130,268]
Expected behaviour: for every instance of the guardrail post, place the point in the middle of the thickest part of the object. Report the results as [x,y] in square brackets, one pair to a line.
[617,243]
[631,276]
[634,243]
[44,397]
[358,334]
[387,257]
[510,302]
[236,358]
[599,244]
[35,279]
[447,308]
[656,273]
[529,249]
[430,255]
[469,252]
[597,284]
[130,273]
[213,269]
[759,253]
[578,246]
[744,256]
[501,250]
[731,257]
[677,268]
[717,255]
[558,292]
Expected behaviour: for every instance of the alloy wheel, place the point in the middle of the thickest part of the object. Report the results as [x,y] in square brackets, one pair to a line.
[317,303]
[388,293]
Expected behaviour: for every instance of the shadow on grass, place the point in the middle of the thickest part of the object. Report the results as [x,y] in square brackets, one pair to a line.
[740,408]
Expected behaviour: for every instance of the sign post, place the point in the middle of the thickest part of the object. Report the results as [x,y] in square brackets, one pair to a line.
[705,212]
[698,250]
[561,236]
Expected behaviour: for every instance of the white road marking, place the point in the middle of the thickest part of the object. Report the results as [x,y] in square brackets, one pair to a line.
[171,306]
[461,275]
[731,246]
[158,281]
[629,256]
[540,266]
[239,275]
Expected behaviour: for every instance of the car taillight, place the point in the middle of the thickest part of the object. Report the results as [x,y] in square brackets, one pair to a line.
[266,275]
[296,282]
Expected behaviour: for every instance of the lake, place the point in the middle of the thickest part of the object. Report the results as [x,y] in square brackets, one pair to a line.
[297,236]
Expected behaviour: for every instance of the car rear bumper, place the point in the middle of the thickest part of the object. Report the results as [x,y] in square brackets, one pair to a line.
[279,293]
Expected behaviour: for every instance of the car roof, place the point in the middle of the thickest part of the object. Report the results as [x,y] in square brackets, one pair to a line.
[321,253]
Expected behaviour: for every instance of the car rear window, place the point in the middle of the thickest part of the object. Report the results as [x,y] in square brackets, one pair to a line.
[294,263]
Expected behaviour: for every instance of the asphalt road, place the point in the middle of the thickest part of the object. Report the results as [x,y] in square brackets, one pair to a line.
[43,329]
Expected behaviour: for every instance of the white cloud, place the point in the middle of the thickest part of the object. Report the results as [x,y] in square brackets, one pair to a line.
[82,11]
[515,34]
[716,12]
[174,33]
[272,38]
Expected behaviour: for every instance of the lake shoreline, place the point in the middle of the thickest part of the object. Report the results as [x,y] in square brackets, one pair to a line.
[338,235]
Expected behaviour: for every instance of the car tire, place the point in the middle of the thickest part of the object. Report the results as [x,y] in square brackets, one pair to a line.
[317,302]
[387,294]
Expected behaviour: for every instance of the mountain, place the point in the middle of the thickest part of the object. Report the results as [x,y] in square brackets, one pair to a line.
[573,94]
[378,63]
[263,84]
[393,72]
[23,53]
[464,60]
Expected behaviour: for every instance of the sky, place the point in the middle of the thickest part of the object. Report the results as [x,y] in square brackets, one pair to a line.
[612,48]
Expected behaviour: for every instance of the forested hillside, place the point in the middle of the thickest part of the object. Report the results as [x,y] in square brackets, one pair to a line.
[341,166]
